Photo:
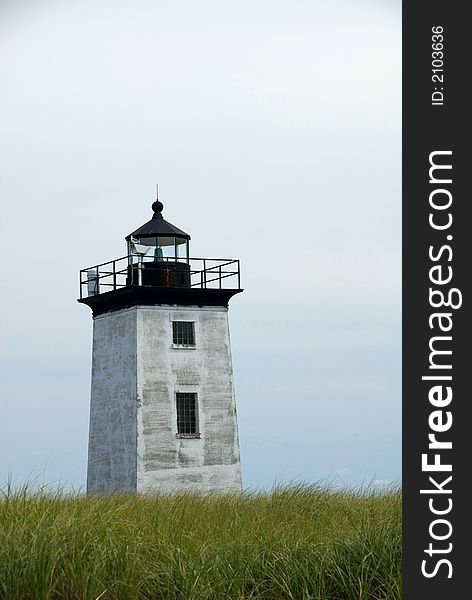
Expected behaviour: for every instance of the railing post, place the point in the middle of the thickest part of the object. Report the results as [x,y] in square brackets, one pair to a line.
[114,276]
[219,271]
[204,272]
[239,277]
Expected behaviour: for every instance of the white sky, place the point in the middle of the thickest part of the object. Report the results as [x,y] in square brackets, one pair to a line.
[273,129]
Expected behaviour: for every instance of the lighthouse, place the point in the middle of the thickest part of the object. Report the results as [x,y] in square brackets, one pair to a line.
[162,408]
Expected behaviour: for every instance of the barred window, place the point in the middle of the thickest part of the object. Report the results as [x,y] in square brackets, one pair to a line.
[186,413]
[183,333]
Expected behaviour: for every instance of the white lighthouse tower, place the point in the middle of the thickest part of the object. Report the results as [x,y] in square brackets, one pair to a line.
[162,411]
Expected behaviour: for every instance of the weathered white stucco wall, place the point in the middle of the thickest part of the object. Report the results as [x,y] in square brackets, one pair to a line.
[165,461]
[136,374]
[112,433]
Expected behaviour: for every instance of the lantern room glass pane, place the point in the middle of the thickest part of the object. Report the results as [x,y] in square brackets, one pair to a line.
[182,249]
[166,246]
[165,241]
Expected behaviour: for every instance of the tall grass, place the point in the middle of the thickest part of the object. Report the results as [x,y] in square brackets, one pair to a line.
[297,543]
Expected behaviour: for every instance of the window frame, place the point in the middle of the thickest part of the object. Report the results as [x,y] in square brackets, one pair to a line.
[182,345]
[187,435]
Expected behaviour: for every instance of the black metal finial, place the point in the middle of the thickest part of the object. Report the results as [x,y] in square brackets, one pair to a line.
[157,206]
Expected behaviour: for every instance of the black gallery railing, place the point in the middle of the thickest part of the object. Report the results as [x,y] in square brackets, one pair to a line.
[203,273]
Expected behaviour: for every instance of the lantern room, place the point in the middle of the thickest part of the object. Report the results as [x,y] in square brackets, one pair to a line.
[158,253]
[159,240]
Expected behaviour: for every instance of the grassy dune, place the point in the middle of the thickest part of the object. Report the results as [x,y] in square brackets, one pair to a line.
[297,543]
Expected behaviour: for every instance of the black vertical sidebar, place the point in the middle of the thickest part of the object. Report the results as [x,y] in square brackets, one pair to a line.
[436,524]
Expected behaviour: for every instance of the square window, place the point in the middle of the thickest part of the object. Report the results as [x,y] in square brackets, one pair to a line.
[186,414]
[183,333]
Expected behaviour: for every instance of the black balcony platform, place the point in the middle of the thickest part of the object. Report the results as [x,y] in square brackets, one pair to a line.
[142,295]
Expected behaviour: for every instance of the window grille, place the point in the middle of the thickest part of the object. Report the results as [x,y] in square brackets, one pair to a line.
[186,413]
[183,333]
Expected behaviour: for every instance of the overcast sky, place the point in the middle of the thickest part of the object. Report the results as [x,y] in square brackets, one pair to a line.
[273,130]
